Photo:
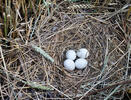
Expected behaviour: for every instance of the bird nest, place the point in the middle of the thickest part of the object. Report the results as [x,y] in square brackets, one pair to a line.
[107,72]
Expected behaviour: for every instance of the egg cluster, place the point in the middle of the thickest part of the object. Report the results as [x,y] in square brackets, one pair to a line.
[71,62]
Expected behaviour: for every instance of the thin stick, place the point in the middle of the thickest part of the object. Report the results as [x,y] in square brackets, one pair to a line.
[60,91]
[35,24]
[108,87]
[112,92]
[126,6]
[29,83]
[105,60]
[90,90]
[5,68]
[1,93]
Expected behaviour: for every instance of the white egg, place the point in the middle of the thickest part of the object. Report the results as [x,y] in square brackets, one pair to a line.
[81,63]
[71,54]
[83,53]
[69,64]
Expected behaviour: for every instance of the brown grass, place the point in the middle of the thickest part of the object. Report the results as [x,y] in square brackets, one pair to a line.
[26,74]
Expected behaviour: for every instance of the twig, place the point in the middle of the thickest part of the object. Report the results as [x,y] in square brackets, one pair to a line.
[60,92]
[89,90]
[105,60]
[97,19]
[1,93]
[128,57]
[35,24]
[29,83]
[5,68]
[112,92]
[124,7]
[108,87]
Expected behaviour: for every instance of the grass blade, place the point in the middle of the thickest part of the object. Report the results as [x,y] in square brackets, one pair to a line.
[43,53]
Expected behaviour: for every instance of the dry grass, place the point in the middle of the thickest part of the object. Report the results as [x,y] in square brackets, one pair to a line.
[103,28]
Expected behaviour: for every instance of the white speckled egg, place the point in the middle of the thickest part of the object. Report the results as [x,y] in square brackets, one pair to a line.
[83,53]
[81,63]
[69,64]
[71,54]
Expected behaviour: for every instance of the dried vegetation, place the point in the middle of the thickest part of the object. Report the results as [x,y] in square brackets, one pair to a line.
[101,26]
